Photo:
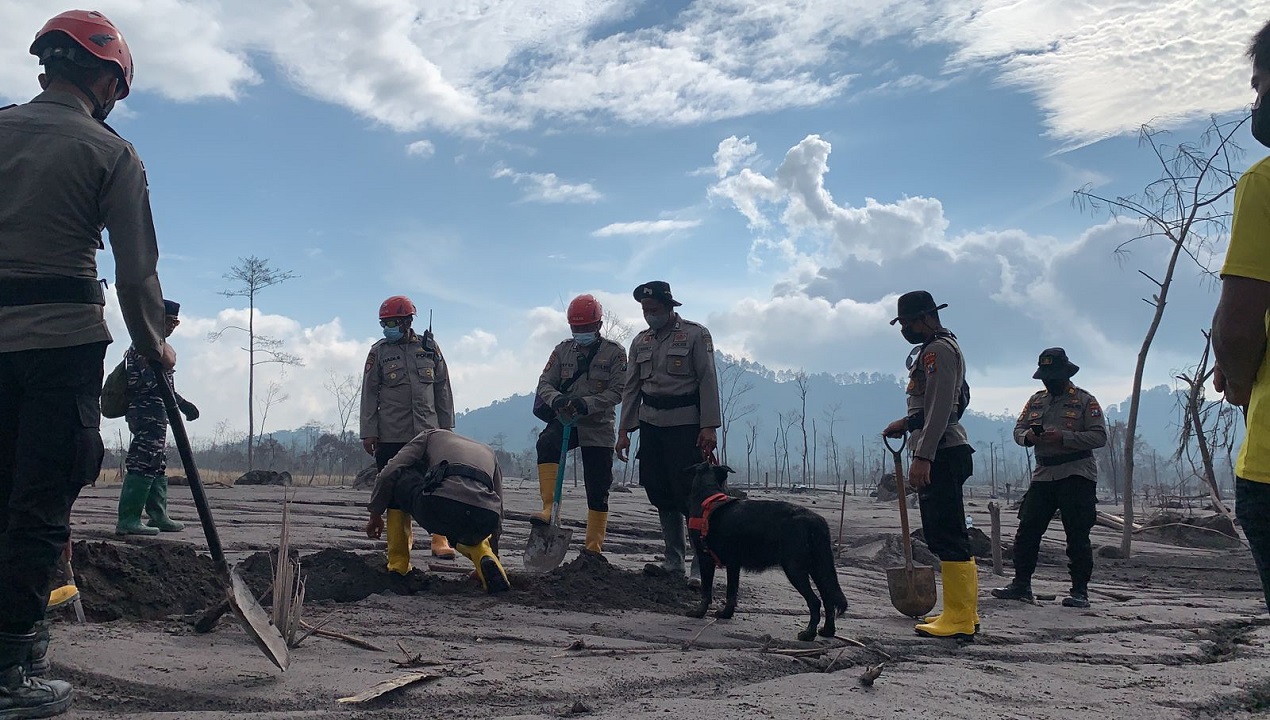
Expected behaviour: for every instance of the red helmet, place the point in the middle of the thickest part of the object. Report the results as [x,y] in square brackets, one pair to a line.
[584,310]
[395,307]
[94,33]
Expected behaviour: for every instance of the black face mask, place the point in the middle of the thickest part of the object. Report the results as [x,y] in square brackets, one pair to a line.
[1261,123]
[915,337]
[1056,387]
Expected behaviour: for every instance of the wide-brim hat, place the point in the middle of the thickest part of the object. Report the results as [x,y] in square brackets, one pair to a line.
[1054,365]
[656,290]
[915,304]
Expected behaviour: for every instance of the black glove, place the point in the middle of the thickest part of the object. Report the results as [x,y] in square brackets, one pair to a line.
[578,406]
[559,403]
[188,410]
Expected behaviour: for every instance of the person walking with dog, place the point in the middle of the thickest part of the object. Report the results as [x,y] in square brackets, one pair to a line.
[66,177]
[941,457]
[145,485]
[582,383]
[1064,425]
[452,486]
[671,398]
[405,390]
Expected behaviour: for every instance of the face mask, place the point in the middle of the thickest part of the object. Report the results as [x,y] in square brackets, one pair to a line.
[585,338]
[913,336]
[393,334]
[656,322]
[1056,387]
[1261,123]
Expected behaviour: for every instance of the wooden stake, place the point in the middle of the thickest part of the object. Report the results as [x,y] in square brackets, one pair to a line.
[994,512]
[358,642]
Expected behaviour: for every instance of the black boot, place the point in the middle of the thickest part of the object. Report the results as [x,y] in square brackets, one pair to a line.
[21,696]
[1016,590]
[38,661]
[1077,598]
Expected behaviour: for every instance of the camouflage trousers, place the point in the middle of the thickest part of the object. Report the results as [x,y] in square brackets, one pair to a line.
[147,453]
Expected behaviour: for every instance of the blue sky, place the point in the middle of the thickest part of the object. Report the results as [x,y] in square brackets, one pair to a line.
[492,160]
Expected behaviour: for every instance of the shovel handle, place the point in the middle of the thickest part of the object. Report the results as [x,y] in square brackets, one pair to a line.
[901,489]
[564,453]
[191,472]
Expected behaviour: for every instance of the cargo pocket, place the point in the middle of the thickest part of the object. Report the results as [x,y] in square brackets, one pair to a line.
[678,362]
[89,449]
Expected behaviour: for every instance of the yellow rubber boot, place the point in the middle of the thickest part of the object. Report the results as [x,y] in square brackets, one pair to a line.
[596,523]
[961,603]
[488,569]
[547,489]
[935,618]
[441,548]
[400,541]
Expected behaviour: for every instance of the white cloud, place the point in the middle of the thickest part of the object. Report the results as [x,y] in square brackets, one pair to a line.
[645,227]
[733,151]
[548,188]
[421,149]
[1101,69]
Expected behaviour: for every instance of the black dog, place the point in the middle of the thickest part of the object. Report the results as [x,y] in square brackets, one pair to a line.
[760,535]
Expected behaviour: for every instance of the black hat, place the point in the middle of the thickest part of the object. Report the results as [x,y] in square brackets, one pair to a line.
[171,309]
[915,304]
[1054,365]
[656,290]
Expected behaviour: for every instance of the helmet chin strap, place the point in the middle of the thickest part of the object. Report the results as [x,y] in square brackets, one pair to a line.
[100,112]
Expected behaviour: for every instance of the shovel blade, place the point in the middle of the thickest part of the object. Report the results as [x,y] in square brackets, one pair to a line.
[256,621]
[547,547]
[912,589]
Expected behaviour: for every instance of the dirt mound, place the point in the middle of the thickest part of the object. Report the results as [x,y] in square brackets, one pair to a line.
[589,583]
[1208,531]
[366,477]
[264,477]
[980,543]
[884,550]
[146,582]
[337,575]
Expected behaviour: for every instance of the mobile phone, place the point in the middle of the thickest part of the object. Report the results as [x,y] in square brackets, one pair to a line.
[1037,429]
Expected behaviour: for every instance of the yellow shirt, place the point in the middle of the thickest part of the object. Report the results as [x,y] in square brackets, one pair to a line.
[1249,257]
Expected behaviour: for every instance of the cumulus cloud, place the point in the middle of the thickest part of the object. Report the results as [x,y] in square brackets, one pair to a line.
[549,188]
[1010,293]
[645,227]
[421,149]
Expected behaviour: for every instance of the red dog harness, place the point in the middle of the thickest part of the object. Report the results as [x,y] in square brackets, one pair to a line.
[702,524]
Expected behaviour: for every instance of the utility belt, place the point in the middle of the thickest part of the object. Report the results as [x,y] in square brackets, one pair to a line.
[438,473]
[1054,460]
[51,289]
[670,402]
[917,420]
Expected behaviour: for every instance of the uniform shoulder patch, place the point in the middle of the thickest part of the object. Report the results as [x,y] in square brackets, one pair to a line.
[928,362]
[1095,410]
[705,338]
[370,363]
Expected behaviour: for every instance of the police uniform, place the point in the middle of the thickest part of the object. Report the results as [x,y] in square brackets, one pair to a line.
[1065,478]
[671,393]
[66,177]
[452,486]
[937,376]
[595,376]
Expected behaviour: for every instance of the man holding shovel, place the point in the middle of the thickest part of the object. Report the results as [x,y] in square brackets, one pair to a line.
[672,398]
[452,486]
[66,176]
[941,458]
[582,381]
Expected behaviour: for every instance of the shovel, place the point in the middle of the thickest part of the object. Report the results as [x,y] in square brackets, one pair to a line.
[253,617]
[549,543]
[912,587]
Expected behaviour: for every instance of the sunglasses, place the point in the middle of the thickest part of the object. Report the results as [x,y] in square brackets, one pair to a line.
[391,322]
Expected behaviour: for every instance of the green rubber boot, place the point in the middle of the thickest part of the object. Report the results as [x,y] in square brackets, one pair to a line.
[133,497]
[157,507]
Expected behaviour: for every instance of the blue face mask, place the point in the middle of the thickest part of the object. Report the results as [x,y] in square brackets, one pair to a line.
[393,334]
[586,338]
[657,321]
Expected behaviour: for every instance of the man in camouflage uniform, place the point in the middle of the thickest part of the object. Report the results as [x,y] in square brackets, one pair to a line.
[405,390]
[672,398]
[146,483]
[450,485]
[1065,425]
[941,458]
[582,382]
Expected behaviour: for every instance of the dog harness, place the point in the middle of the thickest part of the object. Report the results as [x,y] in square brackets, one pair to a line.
[702,524]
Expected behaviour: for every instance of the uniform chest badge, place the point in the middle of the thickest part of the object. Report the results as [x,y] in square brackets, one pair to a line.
[392,376]
[681,337]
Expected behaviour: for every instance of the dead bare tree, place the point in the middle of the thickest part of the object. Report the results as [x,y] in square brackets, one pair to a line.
[254,275]
[1186,206]
[733,386]
[347,391]
[617,329]
[1204,423]
[274,395]
[800,380]
[751,444]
